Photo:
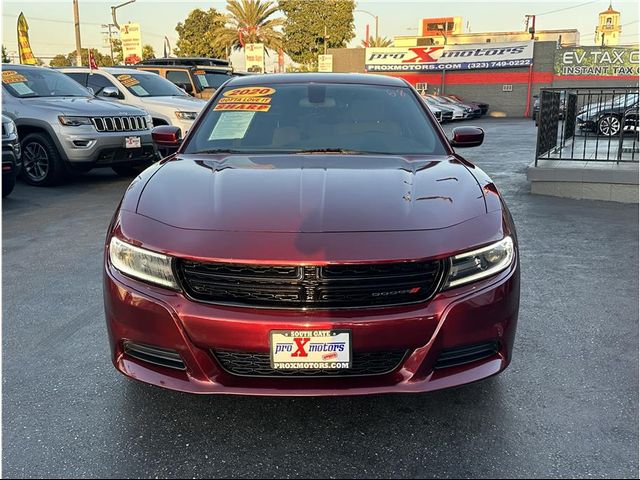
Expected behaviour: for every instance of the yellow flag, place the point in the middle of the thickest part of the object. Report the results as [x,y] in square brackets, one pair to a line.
[24,48]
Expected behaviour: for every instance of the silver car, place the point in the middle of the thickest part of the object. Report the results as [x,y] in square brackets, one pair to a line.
[63,128]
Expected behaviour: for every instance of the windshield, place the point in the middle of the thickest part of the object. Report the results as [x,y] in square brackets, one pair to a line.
[41,82]
[211,78]
[316,117]
[149,85]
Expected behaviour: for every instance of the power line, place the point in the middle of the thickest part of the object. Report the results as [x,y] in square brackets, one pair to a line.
[567,8]
[53,20]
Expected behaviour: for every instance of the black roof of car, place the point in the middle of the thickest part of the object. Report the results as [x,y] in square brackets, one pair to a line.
[188,61]
[354,78]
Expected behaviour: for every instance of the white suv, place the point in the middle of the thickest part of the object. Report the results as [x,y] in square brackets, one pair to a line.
[166,103]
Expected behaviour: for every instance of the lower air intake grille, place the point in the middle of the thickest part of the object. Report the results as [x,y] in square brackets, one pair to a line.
[259,365]
[467,354]
[157,356]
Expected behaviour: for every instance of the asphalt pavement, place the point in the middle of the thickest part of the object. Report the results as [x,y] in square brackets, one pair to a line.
[566,407]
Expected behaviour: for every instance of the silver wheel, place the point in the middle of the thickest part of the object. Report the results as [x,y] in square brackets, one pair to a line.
[36,161]
[609,125]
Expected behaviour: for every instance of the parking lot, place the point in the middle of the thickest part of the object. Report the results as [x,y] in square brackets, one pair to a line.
[566,407]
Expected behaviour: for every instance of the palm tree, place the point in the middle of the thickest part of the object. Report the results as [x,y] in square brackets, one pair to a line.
[378,42]
[248,22]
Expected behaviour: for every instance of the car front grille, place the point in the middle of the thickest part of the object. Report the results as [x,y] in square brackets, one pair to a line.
[119,124]
[331,286]
[259,365]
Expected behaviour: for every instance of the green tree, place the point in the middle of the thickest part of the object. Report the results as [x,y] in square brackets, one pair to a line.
[101,60]
[304,27]
[5,55]
[377,42]
[60,60]
[250,20]
[148,52]
[116,47]
[196,34]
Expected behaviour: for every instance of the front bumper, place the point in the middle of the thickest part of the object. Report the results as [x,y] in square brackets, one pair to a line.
[84,146]
[485,311]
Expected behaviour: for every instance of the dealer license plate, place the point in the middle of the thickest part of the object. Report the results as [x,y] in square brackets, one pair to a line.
[132,142]
[310,349]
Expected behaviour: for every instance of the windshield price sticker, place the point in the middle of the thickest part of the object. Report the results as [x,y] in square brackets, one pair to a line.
[11,76]
[127,80]
[250,92]
[248,107]
[310,349]
[263,100]
[232,125]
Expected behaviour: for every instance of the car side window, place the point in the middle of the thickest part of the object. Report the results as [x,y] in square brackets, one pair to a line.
[178,76]
[81,78]
[98,83]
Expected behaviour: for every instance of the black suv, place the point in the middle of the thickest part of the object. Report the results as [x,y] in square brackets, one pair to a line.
[187,61]
[11,161]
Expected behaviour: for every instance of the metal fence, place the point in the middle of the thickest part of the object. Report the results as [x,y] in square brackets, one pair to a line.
[587,124]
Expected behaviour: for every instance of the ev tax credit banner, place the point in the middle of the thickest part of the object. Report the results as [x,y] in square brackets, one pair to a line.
[449,57]
[597,61]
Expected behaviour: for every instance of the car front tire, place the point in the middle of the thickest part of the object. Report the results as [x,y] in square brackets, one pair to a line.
[42,165]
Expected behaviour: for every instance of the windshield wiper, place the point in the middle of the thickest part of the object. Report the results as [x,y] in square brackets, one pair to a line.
[218,150]
[330,150]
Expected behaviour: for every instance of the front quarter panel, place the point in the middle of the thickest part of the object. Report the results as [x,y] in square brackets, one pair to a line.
[133,192]
[489,189]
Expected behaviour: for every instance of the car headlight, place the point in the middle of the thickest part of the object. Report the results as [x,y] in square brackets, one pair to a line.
[74,121]
[8,128]
[481,263]
[149,120]
[142,264]
[187,115]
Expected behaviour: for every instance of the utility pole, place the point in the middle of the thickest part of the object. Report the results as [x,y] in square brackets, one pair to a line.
[371,14]
[532,29]
[76,21]
[108,26]
[325,39]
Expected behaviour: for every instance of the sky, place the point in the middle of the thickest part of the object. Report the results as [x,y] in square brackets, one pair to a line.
[51,21]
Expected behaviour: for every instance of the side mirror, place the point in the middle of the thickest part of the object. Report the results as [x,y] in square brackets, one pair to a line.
[187,87]
[167,136]
[91,90]
[110,92]
[464,137]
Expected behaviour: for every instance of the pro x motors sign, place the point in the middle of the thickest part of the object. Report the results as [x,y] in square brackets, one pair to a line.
[597,61]
[449,57]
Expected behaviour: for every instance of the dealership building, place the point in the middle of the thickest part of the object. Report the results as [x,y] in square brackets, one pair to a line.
[504,69]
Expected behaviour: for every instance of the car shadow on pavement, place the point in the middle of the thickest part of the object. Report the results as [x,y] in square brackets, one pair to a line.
[306,435]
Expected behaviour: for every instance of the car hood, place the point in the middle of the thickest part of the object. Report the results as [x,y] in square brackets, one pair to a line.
[177,102]
[85,106]
[311,193]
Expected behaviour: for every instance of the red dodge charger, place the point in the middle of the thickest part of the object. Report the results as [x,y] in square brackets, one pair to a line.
[314,234]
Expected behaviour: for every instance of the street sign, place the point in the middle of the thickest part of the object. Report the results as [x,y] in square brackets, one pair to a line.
[131,43]
[254,57]
[325,63]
